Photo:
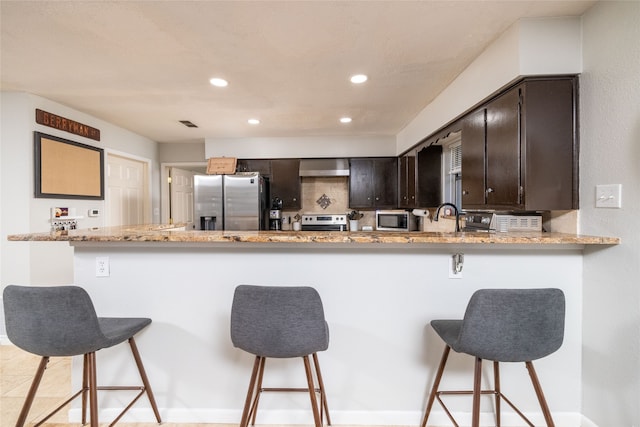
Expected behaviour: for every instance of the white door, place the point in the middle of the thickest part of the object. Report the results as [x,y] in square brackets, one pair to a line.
[181,196]
[126,198]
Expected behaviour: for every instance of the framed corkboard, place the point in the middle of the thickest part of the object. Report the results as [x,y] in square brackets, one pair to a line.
[67,170]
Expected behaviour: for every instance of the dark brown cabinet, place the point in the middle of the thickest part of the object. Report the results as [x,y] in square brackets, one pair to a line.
[285,182]
[263,166]
[519,149]
[407,184]
[429,176]
[373,183]
[283,176]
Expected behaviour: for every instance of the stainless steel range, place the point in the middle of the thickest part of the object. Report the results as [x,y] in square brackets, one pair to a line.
[324,222]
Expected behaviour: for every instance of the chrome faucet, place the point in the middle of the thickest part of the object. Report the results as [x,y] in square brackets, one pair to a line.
[455,210]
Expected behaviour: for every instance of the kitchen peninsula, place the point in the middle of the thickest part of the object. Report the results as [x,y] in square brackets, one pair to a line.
[379,289]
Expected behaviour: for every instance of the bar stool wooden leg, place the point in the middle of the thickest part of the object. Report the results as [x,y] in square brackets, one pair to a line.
[496,388]
[244,422]
[144,378]
[22,418]
[538,388]
[323,396]
[256,400]
[93,390]
[436,385]
[477,384]
[312,392]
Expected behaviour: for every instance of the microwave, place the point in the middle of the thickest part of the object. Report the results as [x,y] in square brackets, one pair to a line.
[396,220]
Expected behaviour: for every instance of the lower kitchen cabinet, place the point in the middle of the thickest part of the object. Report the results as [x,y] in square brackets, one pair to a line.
[373,183]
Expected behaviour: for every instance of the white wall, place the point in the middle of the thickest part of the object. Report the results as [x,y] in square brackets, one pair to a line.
[48,263]
[303,147]
[529,47]
[378,302]
[610,154]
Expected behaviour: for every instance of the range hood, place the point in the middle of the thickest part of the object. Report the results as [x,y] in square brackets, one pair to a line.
[324,167]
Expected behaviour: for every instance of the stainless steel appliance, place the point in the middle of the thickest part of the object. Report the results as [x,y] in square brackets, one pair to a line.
[275,214]
[396,220]
[324,222]
[230,202]
[490,222]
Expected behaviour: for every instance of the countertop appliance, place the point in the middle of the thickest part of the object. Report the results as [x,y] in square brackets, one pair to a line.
[275,214]
[324,222]
[396,220]
[490,222]
[230,202]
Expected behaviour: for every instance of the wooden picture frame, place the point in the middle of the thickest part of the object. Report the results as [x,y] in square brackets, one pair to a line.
[66,169]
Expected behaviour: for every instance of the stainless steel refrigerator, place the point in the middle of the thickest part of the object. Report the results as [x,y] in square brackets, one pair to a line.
[230,202]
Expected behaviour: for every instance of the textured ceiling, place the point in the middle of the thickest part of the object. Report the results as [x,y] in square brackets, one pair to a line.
[146,65]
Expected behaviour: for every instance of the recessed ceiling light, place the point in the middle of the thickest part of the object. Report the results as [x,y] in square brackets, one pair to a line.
[345,120]
[358,78]
[218,82]
[253,121]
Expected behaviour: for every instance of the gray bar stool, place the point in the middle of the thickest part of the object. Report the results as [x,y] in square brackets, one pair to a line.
[502,325]
[280,322]
[53,321]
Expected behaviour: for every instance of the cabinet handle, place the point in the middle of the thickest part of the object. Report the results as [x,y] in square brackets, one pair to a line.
[489,190]
[465,192]
[377,198]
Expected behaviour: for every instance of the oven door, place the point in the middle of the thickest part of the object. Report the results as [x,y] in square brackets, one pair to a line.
[327,227]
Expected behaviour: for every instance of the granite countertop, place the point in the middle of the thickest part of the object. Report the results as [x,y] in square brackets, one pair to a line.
[177,233]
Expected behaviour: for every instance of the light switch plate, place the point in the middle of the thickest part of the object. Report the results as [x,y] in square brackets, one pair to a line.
[609,196]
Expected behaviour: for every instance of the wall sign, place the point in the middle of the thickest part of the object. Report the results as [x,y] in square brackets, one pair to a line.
[67,125]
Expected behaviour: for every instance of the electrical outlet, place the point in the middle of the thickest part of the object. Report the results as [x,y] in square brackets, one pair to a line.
[102,266]
[609,196]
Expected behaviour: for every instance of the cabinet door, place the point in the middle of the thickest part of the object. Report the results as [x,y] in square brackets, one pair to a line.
[407,186]
[263,166]
[429,176]
[361,183]
[473,160]
[503,150]
[285,182]
[549,154]
[385,182]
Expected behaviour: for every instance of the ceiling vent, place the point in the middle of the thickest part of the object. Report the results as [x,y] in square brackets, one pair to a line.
[188,124]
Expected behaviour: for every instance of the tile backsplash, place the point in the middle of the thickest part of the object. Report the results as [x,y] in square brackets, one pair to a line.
[334,190]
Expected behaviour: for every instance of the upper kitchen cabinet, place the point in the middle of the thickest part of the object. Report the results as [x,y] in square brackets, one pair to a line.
[285,182]
[407,185]
[519,150]
[373,183]
[429,176]
[262,166]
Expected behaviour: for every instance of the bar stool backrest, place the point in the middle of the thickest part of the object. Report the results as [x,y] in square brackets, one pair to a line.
[52,320]
[278,321]
[513,325]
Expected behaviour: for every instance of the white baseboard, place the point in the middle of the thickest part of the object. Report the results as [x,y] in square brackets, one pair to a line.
[344,418]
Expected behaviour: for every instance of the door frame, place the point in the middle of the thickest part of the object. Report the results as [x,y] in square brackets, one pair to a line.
[164,184]
[148,189]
